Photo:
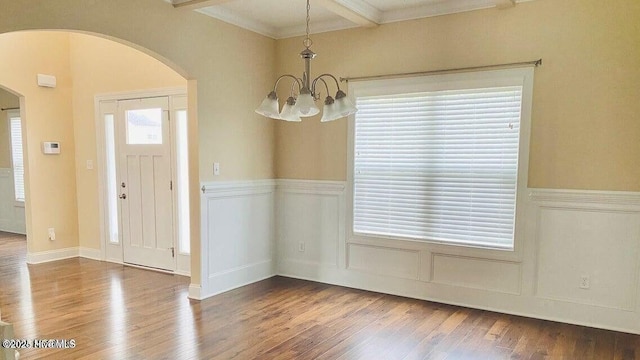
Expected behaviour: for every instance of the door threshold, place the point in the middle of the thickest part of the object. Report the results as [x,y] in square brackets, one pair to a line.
[150,268]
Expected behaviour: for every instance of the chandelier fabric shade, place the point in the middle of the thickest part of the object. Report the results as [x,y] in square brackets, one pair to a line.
[303,103]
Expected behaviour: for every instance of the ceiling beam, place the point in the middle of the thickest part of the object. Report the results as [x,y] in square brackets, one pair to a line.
[198,4]
[505,4]
[356,11]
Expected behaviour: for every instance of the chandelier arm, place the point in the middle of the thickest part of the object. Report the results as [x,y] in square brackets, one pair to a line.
[325,86]
[313,86]
[296,80]
[293,84]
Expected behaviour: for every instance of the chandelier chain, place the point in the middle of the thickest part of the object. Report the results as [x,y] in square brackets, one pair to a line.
[307,42]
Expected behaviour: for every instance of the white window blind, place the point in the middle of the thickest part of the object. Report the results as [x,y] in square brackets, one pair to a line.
[17,156]
[438,165]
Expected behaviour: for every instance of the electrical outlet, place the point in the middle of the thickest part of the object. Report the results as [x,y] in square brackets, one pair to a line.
[585,282]
[89,164]
[52,234]
[301,246]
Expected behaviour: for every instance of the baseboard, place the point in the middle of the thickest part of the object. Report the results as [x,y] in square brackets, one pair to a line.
[182,273]
[195,292]
[239,277]
[10,228]
[89,253]
[531,308]
[52,255]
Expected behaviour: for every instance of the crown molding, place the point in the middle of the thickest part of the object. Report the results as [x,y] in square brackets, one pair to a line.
[354,13]
[227,16]
[440,8]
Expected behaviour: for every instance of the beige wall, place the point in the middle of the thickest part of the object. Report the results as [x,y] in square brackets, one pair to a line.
[100,66]
[47,115]
[7,100]
[585,126]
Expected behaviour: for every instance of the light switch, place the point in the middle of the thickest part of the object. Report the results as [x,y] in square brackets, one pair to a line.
[216,168]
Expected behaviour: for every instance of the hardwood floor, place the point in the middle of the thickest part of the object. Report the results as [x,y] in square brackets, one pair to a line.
[117,312]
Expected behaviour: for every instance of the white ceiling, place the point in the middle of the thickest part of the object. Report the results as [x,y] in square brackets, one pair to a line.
[286,18]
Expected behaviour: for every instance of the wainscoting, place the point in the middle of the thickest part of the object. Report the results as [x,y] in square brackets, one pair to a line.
[577,256]
[11,216]
[569,237]
[238,235]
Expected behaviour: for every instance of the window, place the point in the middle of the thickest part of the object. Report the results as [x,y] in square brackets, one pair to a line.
[15,128]
[438,158]
[144,127]
[112,187]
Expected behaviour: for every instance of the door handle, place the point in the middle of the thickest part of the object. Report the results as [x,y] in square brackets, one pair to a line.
[123,196]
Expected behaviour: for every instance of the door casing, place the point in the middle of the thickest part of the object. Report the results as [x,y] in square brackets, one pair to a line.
[105,104]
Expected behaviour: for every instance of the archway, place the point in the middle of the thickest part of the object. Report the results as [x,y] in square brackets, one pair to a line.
[61,190]
[232,66]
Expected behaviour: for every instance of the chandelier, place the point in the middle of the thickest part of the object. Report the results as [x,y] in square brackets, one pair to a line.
[302,103]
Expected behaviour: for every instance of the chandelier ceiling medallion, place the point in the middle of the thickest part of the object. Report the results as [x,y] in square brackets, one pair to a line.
[303,105]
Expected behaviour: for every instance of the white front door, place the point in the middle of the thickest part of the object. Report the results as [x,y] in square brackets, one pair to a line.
[145,183]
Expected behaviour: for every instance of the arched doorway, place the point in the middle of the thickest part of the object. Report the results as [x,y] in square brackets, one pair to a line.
[63,204]
[232,66]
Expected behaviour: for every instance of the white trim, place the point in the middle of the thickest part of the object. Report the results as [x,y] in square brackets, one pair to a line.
[438,9]
[585,196]
[227,279]
[66,253]
[143,93]
[324,186]
[216,188]
[182,273]
[89,253]
[113,98]
[333,276]
[232,18]
[11,228]
[195,292]
[515,292]
[524,76]
[51,255]
[363,9]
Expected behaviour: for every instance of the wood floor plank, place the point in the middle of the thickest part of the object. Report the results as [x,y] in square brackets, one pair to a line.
[119,312]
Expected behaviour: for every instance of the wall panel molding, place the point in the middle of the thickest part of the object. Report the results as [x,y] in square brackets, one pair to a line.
[582,197]
[252,230]
[592,234]
[568,234]
[238,235]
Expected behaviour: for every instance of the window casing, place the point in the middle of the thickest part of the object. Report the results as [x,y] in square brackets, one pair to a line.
[440,159]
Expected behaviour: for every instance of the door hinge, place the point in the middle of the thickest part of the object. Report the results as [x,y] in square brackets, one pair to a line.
[171,185]
[173,252]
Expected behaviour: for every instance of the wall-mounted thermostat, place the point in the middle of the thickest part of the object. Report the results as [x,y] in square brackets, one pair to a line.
[51,147]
